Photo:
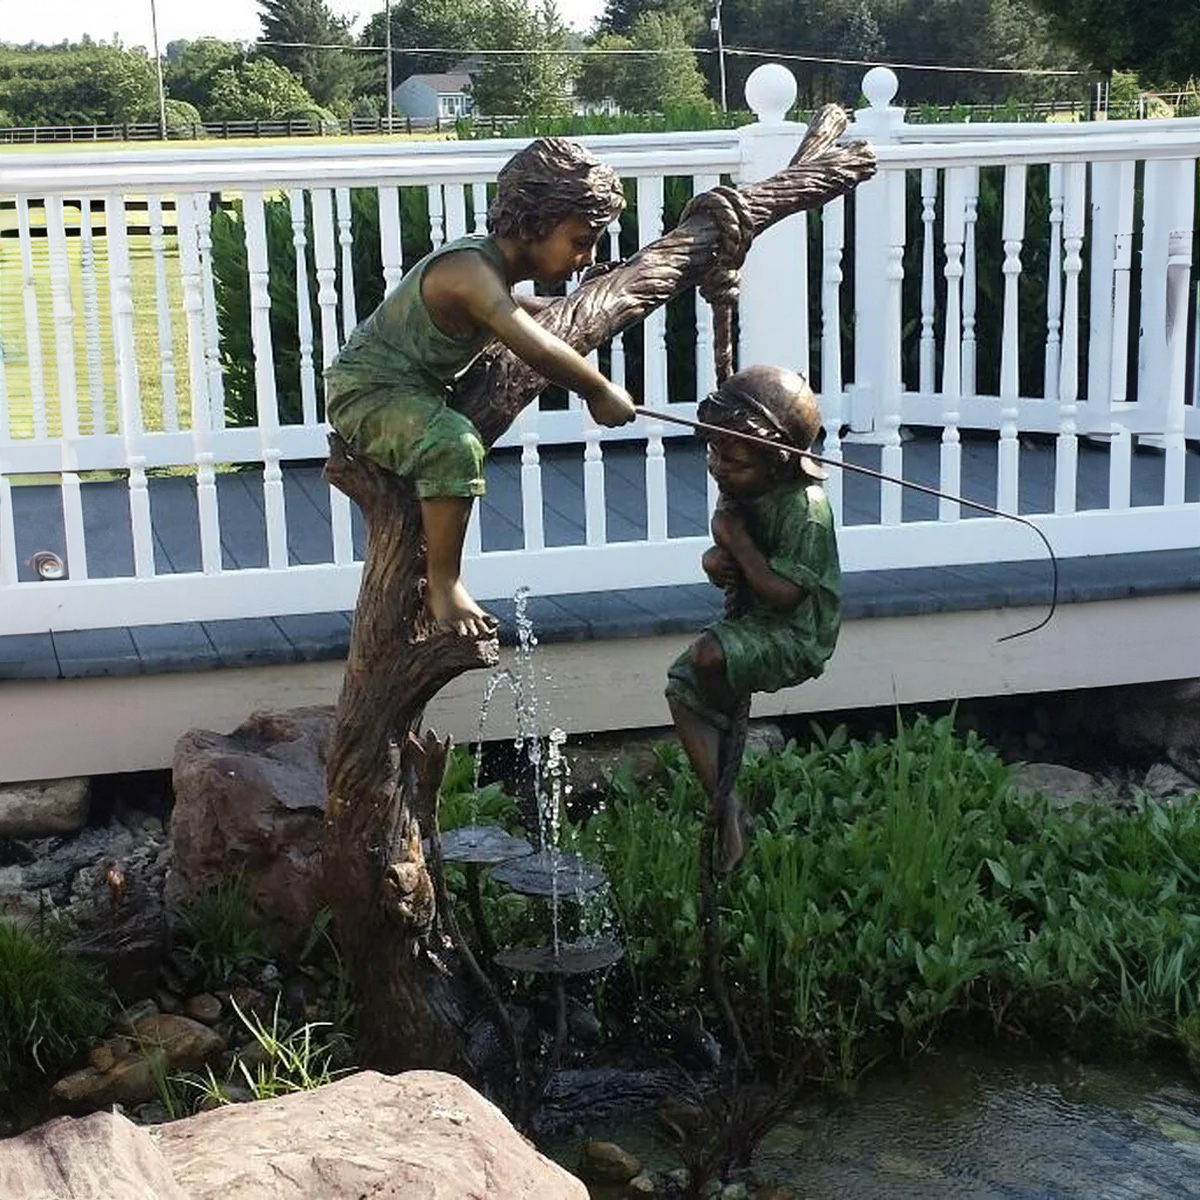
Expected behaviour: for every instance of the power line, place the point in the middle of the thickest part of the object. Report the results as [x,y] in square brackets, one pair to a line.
[743,51]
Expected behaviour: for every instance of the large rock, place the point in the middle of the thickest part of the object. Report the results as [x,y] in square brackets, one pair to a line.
[100,1157]
[43,807]
[1062,786]
[421,1134]
[180,1043]
[254,802]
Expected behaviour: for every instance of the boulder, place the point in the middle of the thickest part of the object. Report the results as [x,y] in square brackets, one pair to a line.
[98,1157]
[183,1044]
[607,1163]
[254,802]
[43,807]
[422,1133]
[1062,786]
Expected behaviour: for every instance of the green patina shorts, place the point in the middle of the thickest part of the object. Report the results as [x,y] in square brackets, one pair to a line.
[419,437]
[762,653]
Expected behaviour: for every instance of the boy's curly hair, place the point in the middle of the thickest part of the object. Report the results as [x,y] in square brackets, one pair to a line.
[549,181]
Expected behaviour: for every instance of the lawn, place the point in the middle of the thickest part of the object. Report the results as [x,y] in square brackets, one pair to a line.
[94,363]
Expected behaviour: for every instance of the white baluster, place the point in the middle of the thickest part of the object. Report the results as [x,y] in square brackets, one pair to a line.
[341,528]
[1054,284]
[1120,467]
[207,509]
[91,319]
[891,384]
[1067,449]
[617,365]
[304,323]
[706,377]
[1122,265]
[532,518]
[954,233]
[473,541]
[129,399]
[166,333]
[970,290]
[258,265]
[1179,265]
[479,208]
[1104,194]
[1010,376]
[800,266]
[6,429]
[212,329]
[391,251]
[456,211]
[656,484]
[33,329]
[437,219]
[346,242]
[654,351]
[833,236]
[929,191]
[594,511]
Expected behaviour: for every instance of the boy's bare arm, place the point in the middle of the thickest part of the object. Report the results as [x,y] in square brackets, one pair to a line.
[533,304]
[469,282]
[731,535]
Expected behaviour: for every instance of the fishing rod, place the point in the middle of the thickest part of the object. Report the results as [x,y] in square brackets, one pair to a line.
[704,427]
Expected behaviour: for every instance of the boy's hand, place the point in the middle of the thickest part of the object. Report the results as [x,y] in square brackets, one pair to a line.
[728,529]
[720,567]
[611,405]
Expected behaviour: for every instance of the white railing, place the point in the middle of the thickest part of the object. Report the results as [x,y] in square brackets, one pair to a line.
[140,296]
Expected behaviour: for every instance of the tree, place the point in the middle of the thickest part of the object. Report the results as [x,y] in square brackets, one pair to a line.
[382,779]
[455,24]
[1159,42]
[257,90]
[651,83]
[329,76]
[533,84]
[191,68]
[86,84]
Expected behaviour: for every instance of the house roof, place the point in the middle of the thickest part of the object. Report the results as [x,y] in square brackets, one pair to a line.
[443,84]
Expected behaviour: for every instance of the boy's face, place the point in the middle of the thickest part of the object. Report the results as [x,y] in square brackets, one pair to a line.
[741,470]
[567,249]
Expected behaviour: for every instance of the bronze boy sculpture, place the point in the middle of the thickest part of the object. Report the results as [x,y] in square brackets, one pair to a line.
[389,392]
[775,553]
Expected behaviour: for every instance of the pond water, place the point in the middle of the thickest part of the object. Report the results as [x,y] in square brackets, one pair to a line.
[972,1125]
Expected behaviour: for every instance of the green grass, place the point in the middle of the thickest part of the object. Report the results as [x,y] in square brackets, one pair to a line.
[14,331]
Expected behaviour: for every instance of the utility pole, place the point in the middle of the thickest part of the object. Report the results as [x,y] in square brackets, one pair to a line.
[715,25]
[387,41]
[162,96]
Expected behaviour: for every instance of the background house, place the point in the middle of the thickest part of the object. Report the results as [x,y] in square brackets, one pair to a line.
[434,97]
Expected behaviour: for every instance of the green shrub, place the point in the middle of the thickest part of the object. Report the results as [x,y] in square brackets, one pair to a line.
[217,931]
[894,885]
[51,1004]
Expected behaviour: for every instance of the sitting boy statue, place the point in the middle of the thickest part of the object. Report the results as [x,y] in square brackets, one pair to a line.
[775,554]
[389,392]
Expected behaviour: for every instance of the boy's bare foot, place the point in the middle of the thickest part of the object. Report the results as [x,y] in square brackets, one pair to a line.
[453,607]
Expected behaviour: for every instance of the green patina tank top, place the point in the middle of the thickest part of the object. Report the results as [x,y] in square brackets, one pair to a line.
[398,347]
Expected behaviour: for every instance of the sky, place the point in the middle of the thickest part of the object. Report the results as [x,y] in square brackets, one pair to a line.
[51,21]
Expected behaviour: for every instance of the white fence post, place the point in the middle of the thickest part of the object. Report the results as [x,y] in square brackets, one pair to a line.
[774,289]
[876,342]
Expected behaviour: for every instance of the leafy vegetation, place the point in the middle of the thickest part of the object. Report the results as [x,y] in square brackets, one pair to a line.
[895,886]
[217,931]
[51,1004]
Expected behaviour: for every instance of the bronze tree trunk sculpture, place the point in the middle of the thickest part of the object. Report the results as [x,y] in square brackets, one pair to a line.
[382,778]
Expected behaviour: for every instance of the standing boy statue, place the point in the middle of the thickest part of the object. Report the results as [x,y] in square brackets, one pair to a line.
[776,553]
[389,392]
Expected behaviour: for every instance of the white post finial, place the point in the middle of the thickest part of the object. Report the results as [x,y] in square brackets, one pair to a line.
[770,93]
[880,86]
[882,120]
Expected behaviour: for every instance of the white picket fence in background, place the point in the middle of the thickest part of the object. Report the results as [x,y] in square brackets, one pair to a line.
[73,399]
